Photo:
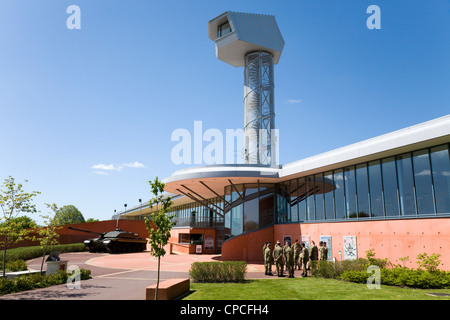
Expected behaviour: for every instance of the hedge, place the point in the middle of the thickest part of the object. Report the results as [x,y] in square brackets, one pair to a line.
[403,277]
[27,253]
[226,271]
[34,281]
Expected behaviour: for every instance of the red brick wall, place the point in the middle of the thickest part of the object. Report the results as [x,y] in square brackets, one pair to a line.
[390,239]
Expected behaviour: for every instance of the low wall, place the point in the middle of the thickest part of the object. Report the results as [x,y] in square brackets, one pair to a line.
[67,235]
[390,239]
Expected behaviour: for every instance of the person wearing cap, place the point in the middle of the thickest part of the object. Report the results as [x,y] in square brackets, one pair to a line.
[289,258]
[304,256]
[296,249]
[313,255]
[278,258]
[268,260]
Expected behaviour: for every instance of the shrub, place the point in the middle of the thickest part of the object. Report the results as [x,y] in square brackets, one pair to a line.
[27,253]
[37,280]
[16,265]
[226,271]
[403,277]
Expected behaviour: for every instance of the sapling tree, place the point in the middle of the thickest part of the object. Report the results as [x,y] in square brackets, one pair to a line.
[160,224]
[13,201]
[47,235]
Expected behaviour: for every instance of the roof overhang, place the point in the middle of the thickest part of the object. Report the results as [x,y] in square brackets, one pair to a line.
[210,181]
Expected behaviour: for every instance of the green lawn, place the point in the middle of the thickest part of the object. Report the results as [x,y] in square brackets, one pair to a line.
[304,289]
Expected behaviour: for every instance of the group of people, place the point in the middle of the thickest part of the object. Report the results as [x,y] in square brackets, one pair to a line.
[295,256]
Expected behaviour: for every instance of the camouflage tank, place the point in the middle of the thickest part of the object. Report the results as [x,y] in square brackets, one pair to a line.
[117,241]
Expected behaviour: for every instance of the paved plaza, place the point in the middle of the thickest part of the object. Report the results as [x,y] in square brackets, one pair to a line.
[119,276]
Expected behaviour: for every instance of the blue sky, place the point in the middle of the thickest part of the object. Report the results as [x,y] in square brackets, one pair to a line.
[87,115]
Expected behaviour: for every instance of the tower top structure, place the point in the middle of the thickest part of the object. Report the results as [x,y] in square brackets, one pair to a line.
[235,34]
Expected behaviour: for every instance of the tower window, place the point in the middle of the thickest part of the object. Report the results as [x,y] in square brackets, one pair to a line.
[223,29]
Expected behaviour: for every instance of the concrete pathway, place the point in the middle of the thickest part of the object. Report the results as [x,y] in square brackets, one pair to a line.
[120,276]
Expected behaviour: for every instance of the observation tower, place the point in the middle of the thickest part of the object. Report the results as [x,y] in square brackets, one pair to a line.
[252,41]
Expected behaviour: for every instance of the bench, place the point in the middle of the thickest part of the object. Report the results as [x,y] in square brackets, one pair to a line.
[168,289]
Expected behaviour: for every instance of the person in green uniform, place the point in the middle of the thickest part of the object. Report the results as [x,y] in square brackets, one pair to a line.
[268,260]
[286,244]
[278,258]
[325,251]
[289,256]
[321,257]
[313,255]
[296,249]
[304,256]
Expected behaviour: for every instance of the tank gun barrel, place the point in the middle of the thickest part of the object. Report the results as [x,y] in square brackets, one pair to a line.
[82,230]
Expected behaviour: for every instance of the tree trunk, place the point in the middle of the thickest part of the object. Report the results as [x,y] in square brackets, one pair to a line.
[42,263]
[4,256]
[157,280]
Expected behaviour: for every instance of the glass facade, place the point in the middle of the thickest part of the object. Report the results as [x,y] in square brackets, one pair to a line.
[413,184]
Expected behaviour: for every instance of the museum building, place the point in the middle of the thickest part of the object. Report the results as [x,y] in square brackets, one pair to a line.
[390,193]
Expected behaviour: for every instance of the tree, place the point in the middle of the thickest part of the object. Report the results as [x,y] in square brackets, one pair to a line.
[67,215]
[160,225]
[47,235]
[13,200]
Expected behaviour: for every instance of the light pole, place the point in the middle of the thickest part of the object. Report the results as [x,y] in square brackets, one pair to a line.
[140,209]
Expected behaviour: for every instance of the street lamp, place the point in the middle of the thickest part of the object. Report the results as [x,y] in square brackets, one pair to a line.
[140,209]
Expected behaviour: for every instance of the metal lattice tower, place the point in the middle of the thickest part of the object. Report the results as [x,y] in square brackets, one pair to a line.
[259,118]
[252,41]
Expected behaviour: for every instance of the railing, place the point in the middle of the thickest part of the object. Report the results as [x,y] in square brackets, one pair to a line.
[199,222]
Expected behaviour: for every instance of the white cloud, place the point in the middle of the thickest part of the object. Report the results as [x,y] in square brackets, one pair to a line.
[294,101]
[134,165]
[107,167]
[102,173]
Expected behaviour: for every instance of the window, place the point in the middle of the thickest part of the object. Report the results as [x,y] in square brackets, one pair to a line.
[191,238]
[251,209]
[329,195]
[236,211]
[223,29]
[310,207]
[362,187]
[350,192]
[319,197]
[422,177]
[390,187]
[375,187]
[406,185]
[301,199]
[293,199]
[441,177]
[339,194]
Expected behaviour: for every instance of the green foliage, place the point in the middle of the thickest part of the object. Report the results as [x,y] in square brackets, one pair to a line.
[427,278]
[226,271]
[429,263]
[16,265]
[13,201]
[162,223]
[32,252]
[159,231]
[67,215]
[38,280]
[47,236]
[329,269]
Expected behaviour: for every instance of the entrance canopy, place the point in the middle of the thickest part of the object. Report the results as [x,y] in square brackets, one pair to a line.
[210,181]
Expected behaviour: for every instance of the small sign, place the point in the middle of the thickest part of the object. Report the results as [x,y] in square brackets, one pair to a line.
[198,248]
